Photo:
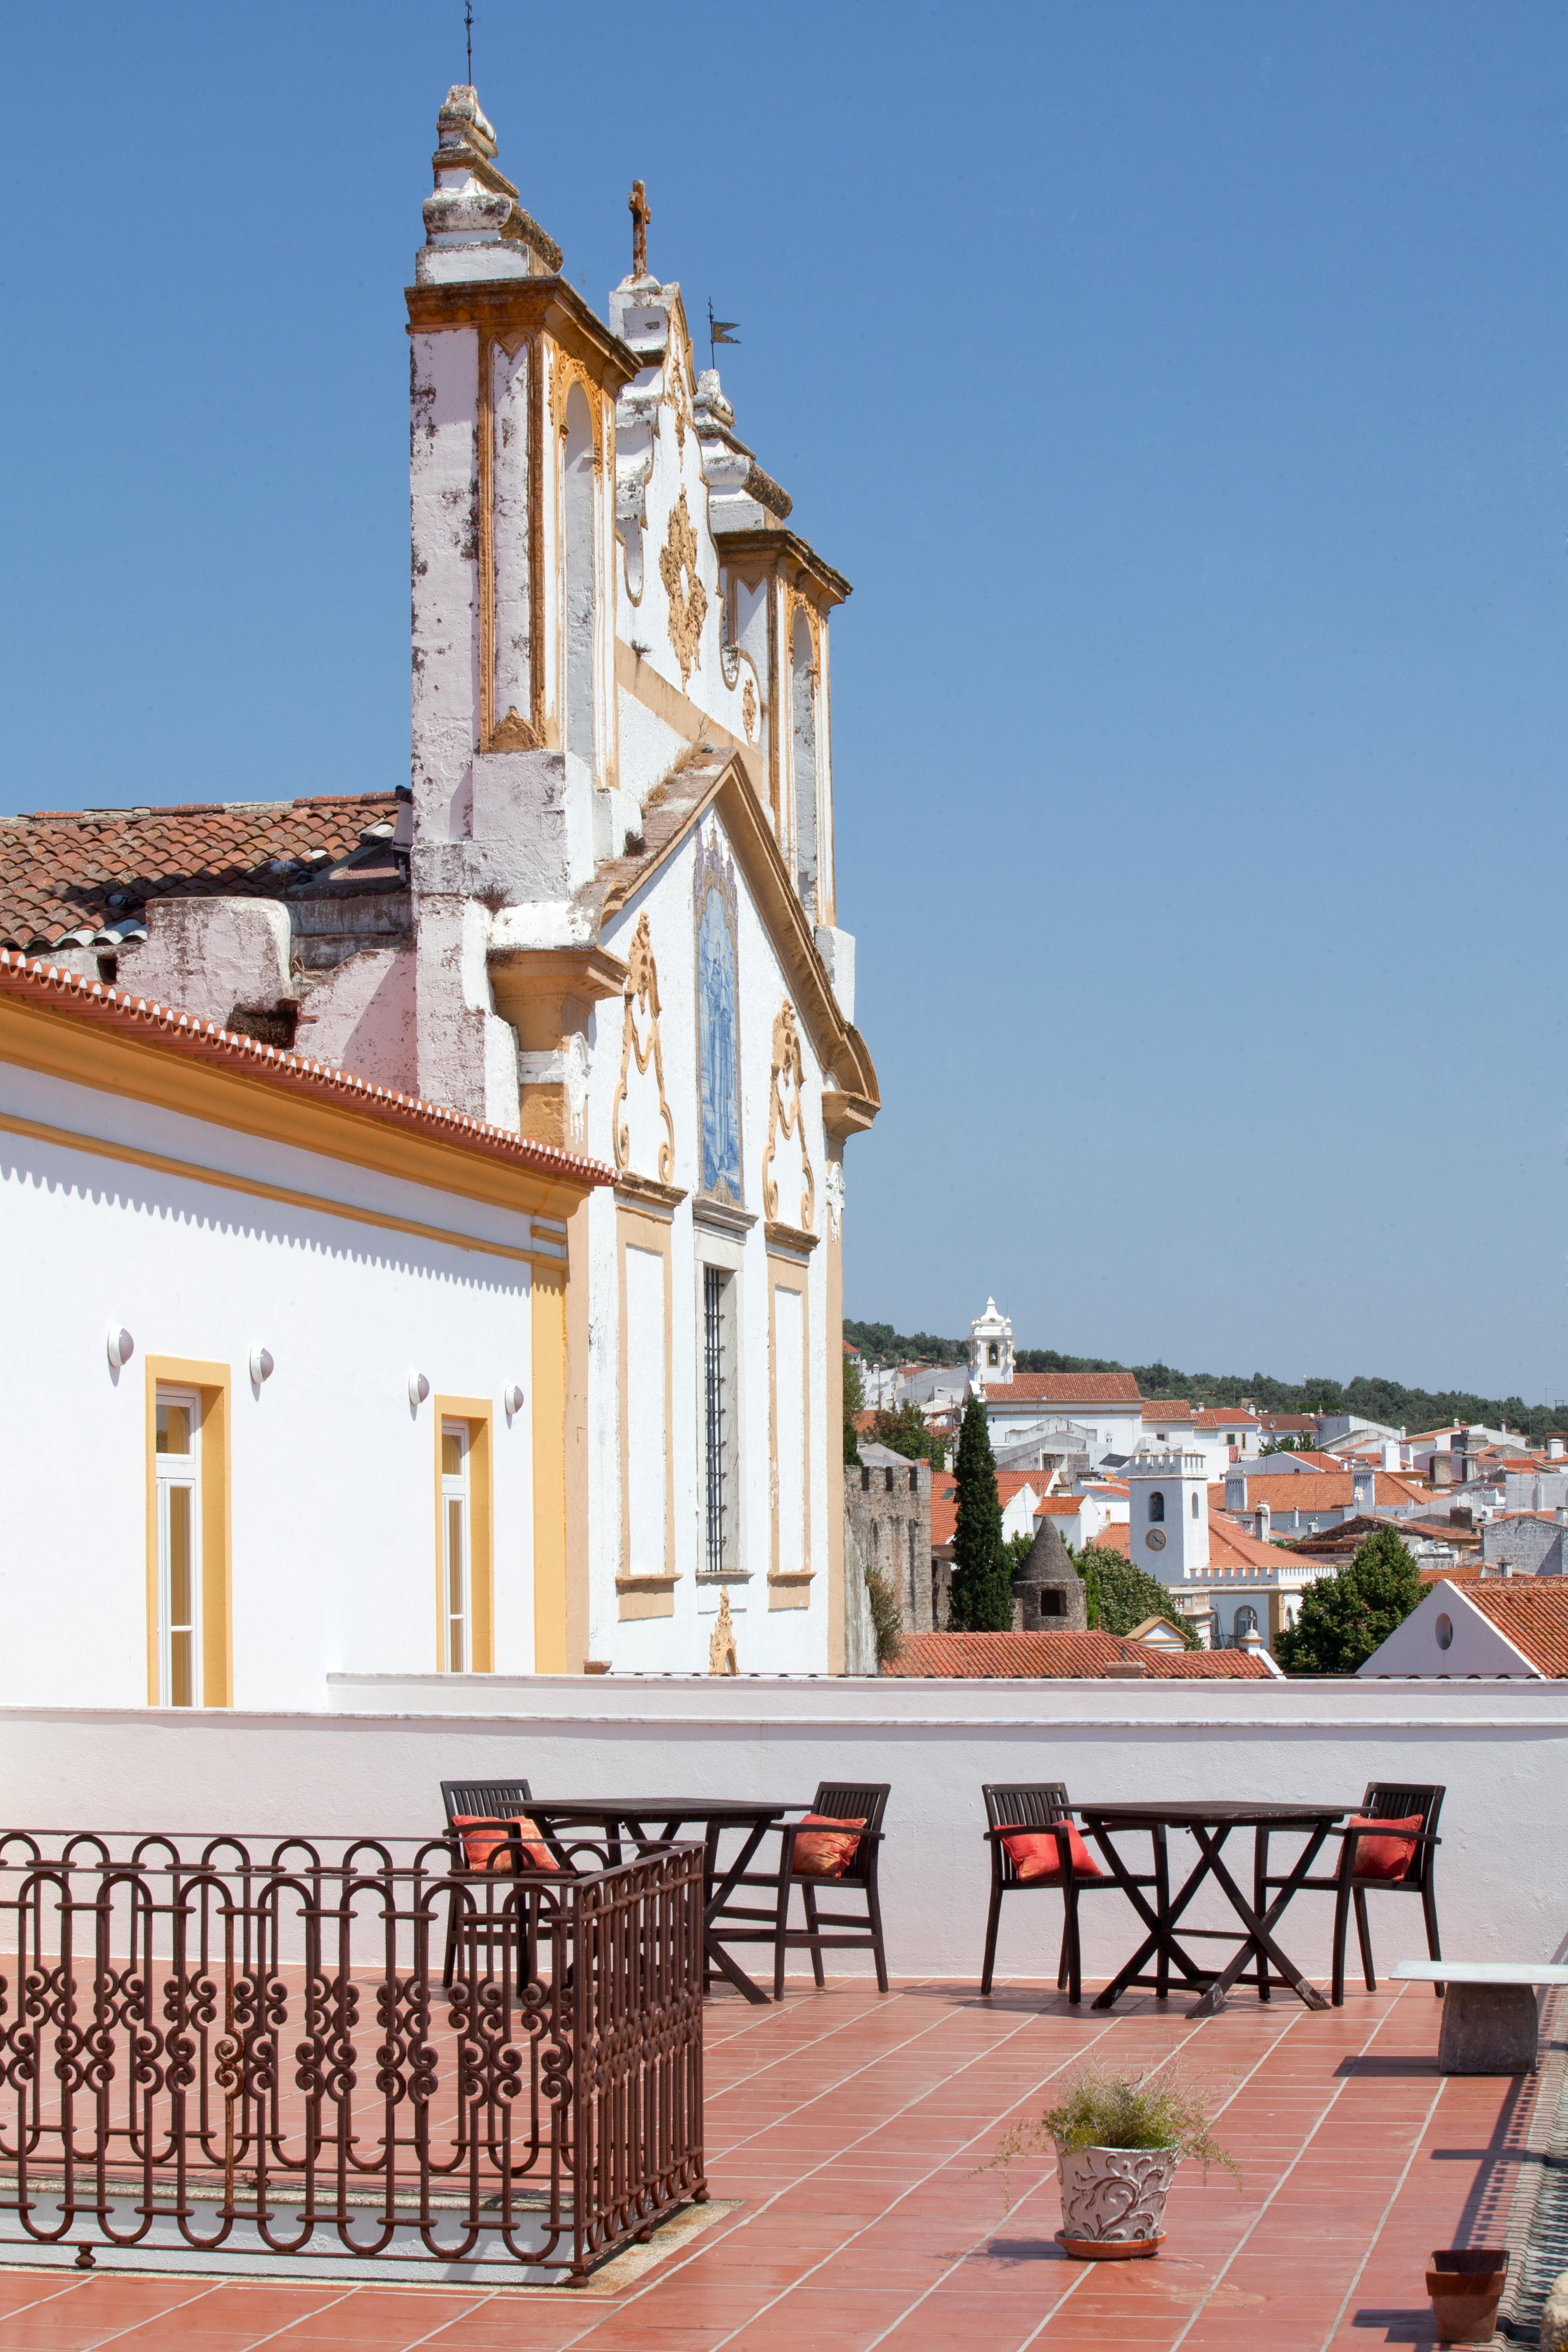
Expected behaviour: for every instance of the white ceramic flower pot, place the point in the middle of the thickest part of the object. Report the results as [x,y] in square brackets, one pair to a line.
[1114,2200]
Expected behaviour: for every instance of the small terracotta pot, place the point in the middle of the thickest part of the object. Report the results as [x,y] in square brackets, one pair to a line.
[1113,2201]
[1466,2284]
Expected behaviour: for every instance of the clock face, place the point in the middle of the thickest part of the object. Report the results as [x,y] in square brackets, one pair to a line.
[1155,1540]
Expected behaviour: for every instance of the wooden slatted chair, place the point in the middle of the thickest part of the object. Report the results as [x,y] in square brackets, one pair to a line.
[1352,1882]
[824,1931]
[493,1801]
[1043,1805]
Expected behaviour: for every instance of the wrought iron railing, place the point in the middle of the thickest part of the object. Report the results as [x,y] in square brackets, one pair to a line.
[242,2050]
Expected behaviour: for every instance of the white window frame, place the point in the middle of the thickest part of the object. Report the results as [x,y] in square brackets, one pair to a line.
[456,1493]
[179,1473]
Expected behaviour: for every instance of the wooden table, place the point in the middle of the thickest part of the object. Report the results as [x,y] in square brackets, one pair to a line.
[644,1822]
[1209,1824]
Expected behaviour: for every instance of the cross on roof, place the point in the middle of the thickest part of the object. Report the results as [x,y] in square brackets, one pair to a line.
[642,213]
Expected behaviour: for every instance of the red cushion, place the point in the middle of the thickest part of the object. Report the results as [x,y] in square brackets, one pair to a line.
[819,1855]
[486,1846]
[1387,1855]
[1037,1856]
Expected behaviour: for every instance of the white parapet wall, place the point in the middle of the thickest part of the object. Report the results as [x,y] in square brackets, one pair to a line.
[372,1762]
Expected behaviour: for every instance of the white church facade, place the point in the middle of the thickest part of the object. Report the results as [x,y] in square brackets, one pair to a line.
[602,922]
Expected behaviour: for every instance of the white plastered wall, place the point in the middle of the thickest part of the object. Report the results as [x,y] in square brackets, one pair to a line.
[1500,1748]
[769,1640]
[332,1476]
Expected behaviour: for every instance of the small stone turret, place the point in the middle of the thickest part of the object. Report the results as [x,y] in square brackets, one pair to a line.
[1047,1591]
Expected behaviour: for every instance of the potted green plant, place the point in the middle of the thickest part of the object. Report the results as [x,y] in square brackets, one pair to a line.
[1118,2139]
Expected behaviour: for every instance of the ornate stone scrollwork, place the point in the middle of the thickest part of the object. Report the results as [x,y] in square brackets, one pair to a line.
[676,388]
[641,999]
[749,711]
[721,1657]
[834,1188]
[787,1118]
[513,733]
[564,372]
[688,604]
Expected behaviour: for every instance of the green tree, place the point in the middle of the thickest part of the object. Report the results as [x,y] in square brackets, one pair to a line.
[854,1402]
[903,1431]
[981,1583]
[1344,1618]
[1126,1597]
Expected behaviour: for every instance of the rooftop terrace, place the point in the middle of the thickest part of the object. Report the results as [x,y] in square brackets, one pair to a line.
[848,2129]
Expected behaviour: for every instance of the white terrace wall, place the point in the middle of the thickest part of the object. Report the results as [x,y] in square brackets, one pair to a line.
[1502,1749]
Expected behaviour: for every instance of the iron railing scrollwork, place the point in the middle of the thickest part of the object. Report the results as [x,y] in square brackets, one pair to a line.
[237,2048]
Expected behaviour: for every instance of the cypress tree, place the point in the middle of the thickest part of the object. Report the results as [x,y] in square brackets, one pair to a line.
[982,1578]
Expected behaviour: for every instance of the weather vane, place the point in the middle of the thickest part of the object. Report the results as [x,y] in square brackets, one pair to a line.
[720,330]
[468,30]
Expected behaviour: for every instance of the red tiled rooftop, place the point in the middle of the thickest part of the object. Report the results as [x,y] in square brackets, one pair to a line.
[973,1657]
[166,1029]
[58,866]
[1224,1416]
[1533,1613]
[1064,1388]
[855,2134]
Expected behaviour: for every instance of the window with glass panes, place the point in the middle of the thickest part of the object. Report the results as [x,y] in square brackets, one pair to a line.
[177,1462]
[456,1549]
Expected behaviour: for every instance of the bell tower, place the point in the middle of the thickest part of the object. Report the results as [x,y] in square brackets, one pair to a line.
[513,384]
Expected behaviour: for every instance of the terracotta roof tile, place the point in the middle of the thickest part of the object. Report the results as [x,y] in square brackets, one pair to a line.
[1064,1388]
[1224,1416]
[1047,1656]
[1167,1409]
[59,867]
[1058,1507]
[1326,1490]
[1532,1614]
[166,1029]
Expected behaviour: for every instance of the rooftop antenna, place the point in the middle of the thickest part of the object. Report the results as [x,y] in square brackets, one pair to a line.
[468,30]
[720,330]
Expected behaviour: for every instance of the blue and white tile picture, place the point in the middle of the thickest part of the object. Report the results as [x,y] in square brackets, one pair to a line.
[718,1057]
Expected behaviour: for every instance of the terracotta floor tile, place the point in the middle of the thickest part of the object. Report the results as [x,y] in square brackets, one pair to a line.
[855,2129]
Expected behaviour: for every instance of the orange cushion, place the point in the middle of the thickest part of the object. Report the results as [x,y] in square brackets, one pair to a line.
[1038,1856]
[485,1845]
[826,1851]
[1387,1855]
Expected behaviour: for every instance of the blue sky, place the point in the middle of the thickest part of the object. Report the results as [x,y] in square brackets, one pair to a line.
[1182,389]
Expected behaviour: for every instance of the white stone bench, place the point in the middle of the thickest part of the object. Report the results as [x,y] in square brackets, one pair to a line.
[1491,2017]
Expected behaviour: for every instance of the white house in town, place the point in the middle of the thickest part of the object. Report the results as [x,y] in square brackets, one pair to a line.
[1234,1583]
[1512,1626]
[603,918]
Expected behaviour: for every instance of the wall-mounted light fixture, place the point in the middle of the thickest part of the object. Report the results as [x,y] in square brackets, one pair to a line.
[418,1389]
[122,1348]
[512,1398]
[260,1364]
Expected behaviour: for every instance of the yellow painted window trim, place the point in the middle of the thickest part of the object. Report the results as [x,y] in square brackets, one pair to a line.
[656,1586]
[479,1414]
[211,1384]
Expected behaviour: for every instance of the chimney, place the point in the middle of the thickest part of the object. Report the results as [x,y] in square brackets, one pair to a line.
[1260,1517]
[1390,1453]
[1442,1469]
[1554,1449]
[1363,1489]
[1460,1515]
[1559,1516]
[1236,1493]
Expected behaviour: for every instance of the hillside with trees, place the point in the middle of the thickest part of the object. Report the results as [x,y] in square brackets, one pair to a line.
[1369,1395]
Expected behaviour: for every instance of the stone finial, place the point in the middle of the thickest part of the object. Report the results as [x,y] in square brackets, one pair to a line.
[1047,1591]
[474,225]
